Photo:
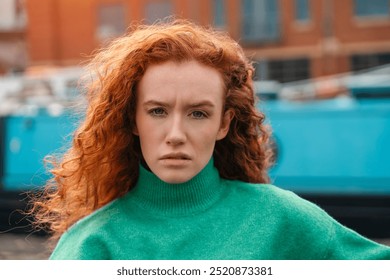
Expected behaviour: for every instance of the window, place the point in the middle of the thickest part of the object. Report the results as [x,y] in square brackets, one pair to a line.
[302,10]
[261,70]
[111,21]
[219,14]
[194,10]
[372,8]
[158,11]
[364,61]
[283,70]
[12,15]
[260,21]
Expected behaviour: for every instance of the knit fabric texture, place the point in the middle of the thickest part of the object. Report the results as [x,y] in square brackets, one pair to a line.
[212,218]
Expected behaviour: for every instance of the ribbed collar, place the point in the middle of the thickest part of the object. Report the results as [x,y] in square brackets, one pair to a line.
[182,199]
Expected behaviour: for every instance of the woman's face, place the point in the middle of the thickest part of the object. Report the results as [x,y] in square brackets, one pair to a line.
[179,117]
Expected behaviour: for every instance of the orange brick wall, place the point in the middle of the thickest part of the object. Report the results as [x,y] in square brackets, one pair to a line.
[62,32]
[59,31]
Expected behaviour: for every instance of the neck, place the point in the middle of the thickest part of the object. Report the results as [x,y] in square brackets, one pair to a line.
[195,195]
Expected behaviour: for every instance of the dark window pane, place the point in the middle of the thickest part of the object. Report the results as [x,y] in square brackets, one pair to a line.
[261,70]
[289,70]
[372,7]
[111,21]
[364,61]
[260,21]
[302,10]
[219,13]
[158,11]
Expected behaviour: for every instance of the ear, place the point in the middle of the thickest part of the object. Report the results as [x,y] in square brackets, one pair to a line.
[135,130]
[225,124]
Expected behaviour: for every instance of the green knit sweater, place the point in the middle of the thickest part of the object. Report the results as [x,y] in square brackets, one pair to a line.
[211,218]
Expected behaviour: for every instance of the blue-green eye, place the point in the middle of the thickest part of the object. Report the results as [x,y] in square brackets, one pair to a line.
[198,115]
[157,112]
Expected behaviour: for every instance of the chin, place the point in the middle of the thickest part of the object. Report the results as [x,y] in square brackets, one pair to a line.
[175,179]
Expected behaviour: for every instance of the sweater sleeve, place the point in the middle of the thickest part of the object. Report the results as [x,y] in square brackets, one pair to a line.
[79,246]
[89,238]
[346,244]
[322,237]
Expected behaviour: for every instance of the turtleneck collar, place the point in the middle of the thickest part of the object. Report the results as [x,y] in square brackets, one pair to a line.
[195,195]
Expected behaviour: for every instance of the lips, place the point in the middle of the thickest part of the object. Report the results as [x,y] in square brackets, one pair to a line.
[177,156]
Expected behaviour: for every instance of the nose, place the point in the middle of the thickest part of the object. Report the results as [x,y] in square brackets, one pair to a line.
[176,132]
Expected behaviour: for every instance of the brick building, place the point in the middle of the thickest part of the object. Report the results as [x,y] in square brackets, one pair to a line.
[13,54]
[289,39]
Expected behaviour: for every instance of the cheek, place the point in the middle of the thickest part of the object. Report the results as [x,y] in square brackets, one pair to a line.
[147,132]
[205,138]
[151,135]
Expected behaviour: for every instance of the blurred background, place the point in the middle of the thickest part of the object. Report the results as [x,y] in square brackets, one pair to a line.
[322,77]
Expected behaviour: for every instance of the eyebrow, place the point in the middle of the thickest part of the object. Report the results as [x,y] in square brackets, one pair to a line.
[155,103]
[203,103]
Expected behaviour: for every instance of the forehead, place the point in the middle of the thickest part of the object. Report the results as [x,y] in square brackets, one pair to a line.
[172,80]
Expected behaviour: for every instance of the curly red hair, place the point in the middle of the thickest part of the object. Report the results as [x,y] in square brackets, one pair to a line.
[103,162]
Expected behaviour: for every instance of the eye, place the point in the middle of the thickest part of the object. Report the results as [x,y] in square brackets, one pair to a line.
[158,112]
[198,115]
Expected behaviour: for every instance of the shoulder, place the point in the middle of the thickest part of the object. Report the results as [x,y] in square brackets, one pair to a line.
[89,237]
[273,196]
[302,220]
[283,205]
[100,218]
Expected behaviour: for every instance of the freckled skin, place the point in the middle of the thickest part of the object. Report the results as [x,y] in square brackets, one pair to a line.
[179,117]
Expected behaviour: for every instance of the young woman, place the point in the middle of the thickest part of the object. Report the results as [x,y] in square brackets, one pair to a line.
[171,162]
